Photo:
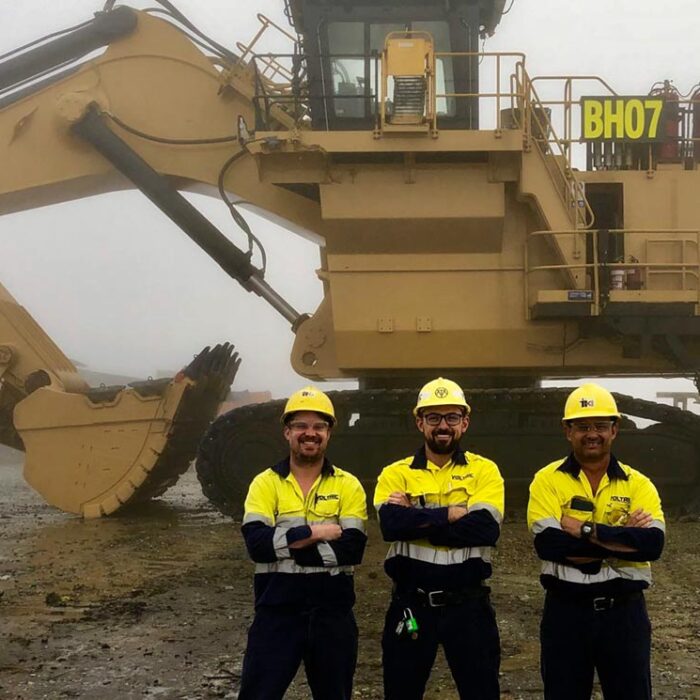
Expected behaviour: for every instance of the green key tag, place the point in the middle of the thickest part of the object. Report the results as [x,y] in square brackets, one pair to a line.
[411,624]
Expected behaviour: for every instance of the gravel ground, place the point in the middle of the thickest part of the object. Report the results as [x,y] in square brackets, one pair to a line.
[156,604]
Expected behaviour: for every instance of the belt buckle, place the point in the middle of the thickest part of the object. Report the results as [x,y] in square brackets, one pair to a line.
[603,603]
[431,599]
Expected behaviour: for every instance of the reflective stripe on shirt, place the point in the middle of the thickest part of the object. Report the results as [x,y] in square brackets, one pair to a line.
[279,542]
[441,557]
[256,518]
[327,554]
[497,515]
[356,523]
[606,573]
[288,566]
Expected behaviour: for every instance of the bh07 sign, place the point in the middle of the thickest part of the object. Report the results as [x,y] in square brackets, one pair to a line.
[613,118]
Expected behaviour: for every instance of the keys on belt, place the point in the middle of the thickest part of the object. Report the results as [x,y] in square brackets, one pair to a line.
[408,624]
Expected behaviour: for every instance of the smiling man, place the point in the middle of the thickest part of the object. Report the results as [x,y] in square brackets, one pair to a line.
[441,509]
[597,524]
[304,527]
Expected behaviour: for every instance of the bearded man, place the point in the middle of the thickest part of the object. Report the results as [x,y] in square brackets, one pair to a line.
[441,509]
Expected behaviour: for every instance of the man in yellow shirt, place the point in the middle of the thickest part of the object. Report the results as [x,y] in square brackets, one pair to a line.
[441,509]
[304,527]
[597,524]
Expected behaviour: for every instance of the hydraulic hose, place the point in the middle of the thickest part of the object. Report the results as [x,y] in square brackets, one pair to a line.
[93,129]
[105,28]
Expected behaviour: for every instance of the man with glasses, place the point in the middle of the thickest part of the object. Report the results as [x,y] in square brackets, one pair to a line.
[597,524]
[441,510]
[304,527]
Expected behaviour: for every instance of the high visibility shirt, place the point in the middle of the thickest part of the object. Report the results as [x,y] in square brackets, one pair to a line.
[427,551]
[621,491]
[277,514]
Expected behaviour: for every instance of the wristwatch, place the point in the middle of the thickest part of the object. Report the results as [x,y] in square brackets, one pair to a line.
[587,530]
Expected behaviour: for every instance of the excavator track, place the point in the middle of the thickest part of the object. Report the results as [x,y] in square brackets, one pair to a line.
[520,429]
[92,453]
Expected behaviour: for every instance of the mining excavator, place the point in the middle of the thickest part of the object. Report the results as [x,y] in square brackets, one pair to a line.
[475,222]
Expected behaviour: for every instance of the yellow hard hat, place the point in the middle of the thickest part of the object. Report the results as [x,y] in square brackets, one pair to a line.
[309,399]
[441,392]
[590,401]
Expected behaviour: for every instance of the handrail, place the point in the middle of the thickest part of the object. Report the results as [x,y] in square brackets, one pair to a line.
[294,90]
[687,140]
[288,12]
[596,266]
[568,101]
[517,56]
[535,114]
[265,23]
[530,112]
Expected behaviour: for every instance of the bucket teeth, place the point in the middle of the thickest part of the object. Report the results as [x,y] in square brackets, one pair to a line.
[93,453]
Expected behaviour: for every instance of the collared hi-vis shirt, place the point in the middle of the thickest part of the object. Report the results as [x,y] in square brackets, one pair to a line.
[277,514]
[427,551]
[561,489]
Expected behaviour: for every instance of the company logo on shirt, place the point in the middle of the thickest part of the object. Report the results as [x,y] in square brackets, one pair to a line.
[461,477]
[621,499]
[618,510]
[328,497]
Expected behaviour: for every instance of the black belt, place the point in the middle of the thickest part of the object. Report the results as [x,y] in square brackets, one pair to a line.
[440,599]
[597,603]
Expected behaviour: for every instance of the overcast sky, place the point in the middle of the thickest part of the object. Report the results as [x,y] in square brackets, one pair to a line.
[120,288]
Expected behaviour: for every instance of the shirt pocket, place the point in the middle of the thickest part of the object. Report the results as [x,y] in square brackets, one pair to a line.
[289,515]
[617,514]
[424,497]
[459,494]
[579,507]
[324,510]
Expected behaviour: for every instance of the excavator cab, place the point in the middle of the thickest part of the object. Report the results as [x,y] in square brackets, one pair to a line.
[340,51]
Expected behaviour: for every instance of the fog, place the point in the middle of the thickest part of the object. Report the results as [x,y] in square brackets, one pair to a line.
[121,289]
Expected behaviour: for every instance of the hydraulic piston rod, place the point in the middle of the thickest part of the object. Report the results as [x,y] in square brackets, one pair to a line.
[93,129]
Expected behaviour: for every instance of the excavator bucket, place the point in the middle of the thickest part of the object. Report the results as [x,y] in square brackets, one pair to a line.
[92,453]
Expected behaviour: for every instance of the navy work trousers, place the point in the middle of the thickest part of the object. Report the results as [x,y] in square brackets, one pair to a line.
[280,638]
[469,636]
[576,639]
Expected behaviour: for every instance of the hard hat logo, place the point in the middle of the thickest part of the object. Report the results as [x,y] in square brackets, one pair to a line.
[309,399]
[441,392]
[590,401]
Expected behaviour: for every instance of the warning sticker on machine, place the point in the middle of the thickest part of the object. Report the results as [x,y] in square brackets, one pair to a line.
[613,118]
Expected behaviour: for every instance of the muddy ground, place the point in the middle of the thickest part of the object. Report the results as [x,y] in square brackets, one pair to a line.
[157,604]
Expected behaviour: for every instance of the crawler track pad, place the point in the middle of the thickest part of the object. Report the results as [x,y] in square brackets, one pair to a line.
[93,453]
